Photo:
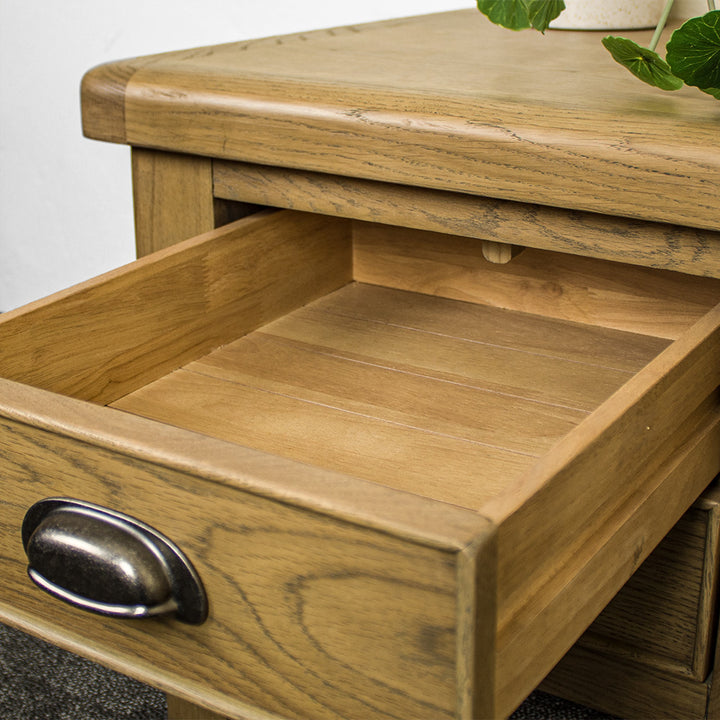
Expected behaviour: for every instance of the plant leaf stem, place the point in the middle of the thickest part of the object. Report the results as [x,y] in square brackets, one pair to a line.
[711,5]
[661,23]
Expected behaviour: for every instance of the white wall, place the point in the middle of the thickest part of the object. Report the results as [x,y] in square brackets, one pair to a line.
[65,201]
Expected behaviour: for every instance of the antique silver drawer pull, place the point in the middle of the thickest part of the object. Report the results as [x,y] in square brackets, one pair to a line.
[109,563]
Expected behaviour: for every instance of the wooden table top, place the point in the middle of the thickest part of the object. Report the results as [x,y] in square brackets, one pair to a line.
[445,101]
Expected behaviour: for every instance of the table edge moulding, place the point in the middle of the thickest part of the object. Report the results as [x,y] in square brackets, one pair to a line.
[445,101]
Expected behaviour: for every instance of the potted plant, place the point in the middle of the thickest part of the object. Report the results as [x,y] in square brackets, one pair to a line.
[692,53]
[609,14]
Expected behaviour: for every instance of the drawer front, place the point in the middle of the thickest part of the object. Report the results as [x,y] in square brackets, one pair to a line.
[664,615]
[310,616]
[649,652]
[627,689]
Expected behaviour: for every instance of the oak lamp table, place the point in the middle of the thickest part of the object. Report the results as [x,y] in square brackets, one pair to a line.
[420,365]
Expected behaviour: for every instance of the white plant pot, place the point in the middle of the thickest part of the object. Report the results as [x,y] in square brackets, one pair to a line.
[609,14]
[684,9]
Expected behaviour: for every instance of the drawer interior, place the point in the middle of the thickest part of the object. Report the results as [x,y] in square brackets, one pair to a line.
[570,402]
[428,362]
[409,390]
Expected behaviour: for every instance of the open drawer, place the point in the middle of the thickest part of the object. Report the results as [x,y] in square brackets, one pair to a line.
[409,479]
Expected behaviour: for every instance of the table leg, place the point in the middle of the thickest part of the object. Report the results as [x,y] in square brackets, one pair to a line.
[173,198]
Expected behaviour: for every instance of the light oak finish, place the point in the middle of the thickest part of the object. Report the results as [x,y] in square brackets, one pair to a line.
[350,537]
[499,253]
[528,332]
[557,285]
[437,102]
[103,91]
[115,333]
[652,645]
[265,560]
[173,198]
[319,388]
[637,242]
[625,438]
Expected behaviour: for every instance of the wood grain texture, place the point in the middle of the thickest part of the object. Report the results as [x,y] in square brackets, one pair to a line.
[664,616]
[310,616]
[570,527]
[524,331]
[354,501]
[502,370]
[663,598]
[711,649]
[499,253]
[403,101]
[401,457]
[173,198]
[713,710]
[637,242]
[364,387]
[555,624]
[609,294]
[649,652]
[572,530]
[639,433]
[625,689]
[105,337]
[103,100]
[400,403]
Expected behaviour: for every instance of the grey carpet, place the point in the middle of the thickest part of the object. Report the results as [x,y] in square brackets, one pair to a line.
[41,682]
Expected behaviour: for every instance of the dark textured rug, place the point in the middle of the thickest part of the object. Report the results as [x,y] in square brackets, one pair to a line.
[41,682]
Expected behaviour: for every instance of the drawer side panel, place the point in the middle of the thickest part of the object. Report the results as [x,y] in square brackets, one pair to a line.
[104,338]
[613,488]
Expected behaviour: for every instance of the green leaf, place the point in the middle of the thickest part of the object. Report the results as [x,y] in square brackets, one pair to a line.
[644,63]
[715,92]
[693,52]
[543,12]
[521,14]
[512,14]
